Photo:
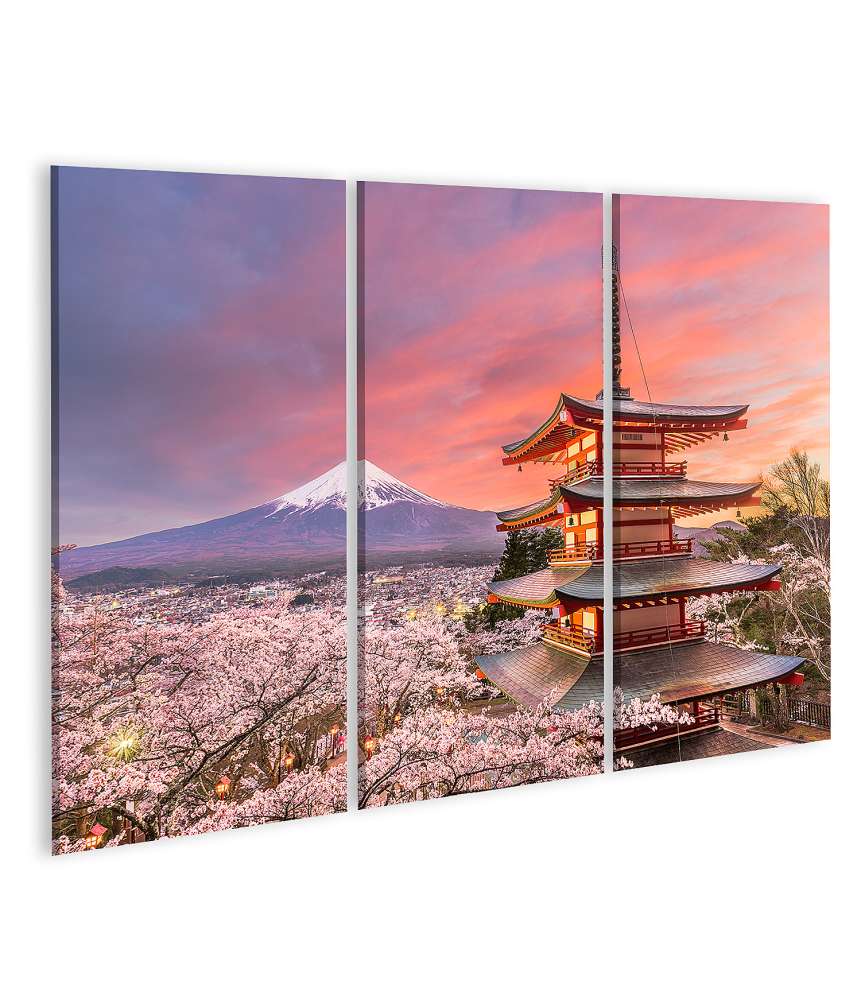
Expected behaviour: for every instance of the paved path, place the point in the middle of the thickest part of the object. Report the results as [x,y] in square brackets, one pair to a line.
[769,740]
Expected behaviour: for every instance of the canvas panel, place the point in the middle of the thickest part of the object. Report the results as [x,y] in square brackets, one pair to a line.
[721,500]
[199,507]
[478,309]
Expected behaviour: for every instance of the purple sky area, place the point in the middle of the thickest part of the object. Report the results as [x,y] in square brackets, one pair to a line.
[200,344]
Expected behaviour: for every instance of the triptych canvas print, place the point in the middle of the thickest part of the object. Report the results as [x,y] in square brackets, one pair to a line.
[200,551]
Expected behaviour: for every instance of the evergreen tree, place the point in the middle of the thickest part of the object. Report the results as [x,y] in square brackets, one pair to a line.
[525,552]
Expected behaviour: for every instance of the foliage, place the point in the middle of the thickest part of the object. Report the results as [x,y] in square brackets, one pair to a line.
[525,552]
[794,532]
[426,732]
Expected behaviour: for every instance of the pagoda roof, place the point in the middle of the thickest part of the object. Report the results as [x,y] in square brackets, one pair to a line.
[677,673]
[537,511]
[534,673]
[635,409]
[690,495]
[715,742]
[669,575]
[547,442]
[632,579]
[542,433]
[538,589]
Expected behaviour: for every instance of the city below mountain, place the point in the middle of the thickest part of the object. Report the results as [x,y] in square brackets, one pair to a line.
[301,530]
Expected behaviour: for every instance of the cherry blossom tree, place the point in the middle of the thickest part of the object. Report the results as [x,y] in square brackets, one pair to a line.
[425,734]
[410,666]
[147,719]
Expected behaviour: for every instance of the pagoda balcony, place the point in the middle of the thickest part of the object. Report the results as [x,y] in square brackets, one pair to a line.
[657,547]
[573,636]
[659,635]
[586,640]
[595,468]
[594,552]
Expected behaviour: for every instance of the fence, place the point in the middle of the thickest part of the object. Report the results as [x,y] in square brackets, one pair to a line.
[769,708]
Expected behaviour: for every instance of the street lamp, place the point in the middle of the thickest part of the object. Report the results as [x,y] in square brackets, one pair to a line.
[222,787]
[370,743]
[95,837]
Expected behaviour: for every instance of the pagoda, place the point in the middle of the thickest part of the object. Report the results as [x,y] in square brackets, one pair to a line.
[658,649]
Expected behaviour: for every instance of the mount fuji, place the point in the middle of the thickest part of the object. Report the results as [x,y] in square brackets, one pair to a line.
[303,528]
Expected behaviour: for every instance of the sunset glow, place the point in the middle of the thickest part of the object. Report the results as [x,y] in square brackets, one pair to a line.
[729,302]
[482,305]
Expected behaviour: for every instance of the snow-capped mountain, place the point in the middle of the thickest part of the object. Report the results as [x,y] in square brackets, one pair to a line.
[376,489]
[304,526]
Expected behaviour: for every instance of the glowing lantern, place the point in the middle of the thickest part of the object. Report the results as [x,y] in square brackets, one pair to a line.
[289,761]
[95,837]
[124,744]
[222,787]
[334,731]
[370,743]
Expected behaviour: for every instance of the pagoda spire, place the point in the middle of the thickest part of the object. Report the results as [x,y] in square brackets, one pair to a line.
[619,391]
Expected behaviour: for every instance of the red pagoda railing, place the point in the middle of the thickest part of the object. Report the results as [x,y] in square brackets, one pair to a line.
[659,634]
[575,475]
[650,468]
[575,553]
[704,715]
[586,640]
[621,550]
[661,547]
[572,635]
[596,468]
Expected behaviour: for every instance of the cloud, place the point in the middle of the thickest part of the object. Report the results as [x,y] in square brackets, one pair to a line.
[201,344]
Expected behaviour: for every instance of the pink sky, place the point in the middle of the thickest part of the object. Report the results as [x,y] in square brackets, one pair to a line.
[482,305]
[729,302]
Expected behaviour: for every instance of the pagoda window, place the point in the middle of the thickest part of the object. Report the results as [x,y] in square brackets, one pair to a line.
[588,517]
[572,521]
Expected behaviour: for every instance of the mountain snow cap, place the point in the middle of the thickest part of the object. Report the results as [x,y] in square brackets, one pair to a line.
[379,488]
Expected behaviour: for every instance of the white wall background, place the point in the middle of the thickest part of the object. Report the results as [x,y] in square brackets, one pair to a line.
[732,877]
